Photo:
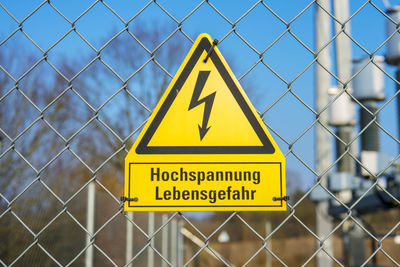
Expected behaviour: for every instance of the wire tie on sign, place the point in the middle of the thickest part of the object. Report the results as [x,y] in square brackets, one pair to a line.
[123,199]
[285,198]
[215,42]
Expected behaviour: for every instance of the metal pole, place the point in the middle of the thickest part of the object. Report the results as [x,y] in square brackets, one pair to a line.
[353,239]
[173,242]
[179,244]
[150,251]
[369,138]
[91,203]
[344,73]
[356,246]
[268,230]
[164,240]
[354,242]
[345,134]
[323,142]
[398,100]
[344,165]
[343,43]
[129,238]
[344,66]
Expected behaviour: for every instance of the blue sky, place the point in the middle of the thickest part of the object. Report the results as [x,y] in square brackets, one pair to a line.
[260,27]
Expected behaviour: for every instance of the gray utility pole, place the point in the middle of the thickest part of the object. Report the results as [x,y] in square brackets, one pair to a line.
[323,145]
[368,89]
[345,133]
[344,73]
[393,50]
[353,244]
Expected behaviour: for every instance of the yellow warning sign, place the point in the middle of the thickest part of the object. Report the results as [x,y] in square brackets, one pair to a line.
[204,147]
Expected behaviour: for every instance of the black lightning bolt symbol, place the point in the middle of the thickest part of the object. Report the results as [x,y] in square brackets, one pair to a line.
[208,101]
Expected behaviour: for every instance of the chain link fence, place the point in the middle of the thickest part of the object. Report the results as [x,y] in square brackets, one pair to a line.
[79,79]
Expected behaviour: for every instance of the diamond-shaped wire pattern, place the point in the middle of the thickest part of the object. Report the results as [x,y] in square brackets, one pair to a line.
[79,79]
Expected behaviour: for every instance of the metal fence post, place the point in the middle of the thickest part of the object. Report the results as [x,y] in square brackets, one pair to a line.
[173,242]
[164,240]
[179,244]
[322,142]
[150,251]
[268,259]
[91,205]
[398,102]
[129,238]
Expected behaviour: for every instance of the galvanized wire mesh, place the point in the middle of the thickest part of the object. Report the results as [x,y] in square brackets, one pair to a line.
[67,124]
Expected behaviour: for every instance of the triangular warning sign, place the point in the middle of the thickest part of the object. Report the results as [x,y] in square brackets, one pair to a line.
[205,111]
[204,146]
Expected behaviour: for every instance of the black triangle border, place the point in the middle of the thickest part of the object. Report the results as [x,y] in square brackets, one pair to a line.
[143,148]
